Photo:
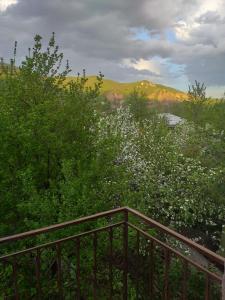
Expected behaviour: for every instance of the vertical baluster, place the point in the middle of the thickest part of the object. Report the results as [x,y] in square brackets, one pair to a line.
[125,250]
[223,285]
[15,283]
[38,273]
[110,263]
[94,265]
[78,267]
[59,271]
[207,287]
[166,274]
[151,279]
[138,267]
[184,280]
[4,264]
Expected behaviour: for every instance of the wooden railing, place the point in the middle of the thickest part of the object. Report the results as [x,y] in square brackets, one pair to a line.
[117,254]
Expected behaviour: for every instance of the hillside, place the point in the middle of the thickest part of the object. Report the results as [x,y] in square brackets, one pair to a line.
[114,90]
[5,67]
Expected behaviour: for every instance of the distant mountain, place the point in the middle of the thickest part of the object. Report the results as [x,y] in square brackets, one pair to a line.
[114,90]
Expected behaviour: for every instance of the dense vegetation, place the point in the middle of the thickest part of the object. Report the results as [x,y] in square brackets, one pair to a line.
[66,153]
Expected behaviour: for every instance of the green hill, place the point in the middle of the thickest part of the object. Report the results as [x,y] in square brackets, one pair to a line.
[5,67]
[114,90]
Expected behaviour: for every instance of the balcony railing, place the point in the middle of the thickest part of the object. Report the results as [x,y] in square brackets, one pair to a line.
[117,254]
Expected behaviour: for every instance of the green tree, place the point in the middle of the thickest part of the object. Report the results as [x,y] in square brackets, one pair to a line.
[139,105]
[44,124]
[196,100]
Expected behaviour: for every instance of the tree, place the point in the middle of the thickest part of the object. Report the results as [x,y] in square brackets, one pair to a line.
[138,104]
[196,101]
[45,124]
[197,92]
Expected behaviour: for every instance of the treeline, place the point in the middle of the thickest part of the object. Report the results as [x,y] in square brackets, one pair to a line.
[65,153]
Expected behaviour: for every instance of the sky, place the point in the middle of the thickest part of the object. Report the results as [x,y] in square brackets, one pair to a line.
[171,42]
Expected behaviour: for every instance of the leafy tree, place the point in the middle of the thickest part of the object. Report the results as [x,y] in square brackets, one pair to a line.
[196,101]
[43,124]
[138,104]
[197,92]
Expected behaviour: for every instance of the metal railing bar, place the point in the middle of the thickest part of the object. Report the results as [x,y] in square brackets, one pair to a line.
[154,241]
[148,236]
[34,232]
[206,252]
[125,250]
[60,241]
[207,287]
[78,266]
[59,271]
[38,273]
[110,263]
[151,283]
[138,267]
[184,280]
[95,266]
[15,283]
[166,274]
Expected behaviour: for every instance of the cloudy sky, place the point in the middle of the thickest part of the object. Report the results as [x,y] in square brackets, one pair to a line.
[172,42]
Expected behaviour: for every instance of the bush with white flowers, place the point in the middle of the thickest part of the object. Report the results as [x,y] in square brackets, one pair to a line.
[162,181]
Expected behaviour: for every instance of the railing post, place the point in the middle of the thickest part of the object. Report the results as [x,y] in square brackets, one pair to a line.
[151,277]
[78,267]
[223,284]
[125,248]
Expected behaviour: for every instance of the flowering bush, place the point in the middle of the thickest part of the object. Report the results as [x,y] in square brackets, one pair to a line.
[161,180]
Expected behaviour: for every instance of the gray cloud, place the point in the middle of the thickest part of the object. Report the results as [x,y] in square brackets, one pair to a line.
[210,17]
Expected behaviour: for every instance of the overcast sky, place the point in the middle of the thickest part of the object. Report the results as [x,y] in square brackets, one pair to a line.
[172,42]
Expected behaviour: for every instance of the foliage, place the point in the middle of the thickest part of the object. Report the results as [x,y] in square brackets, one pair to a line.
[65,154]
[45,127]
[174,188]
[197,92]
[138,105]
[56,137]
